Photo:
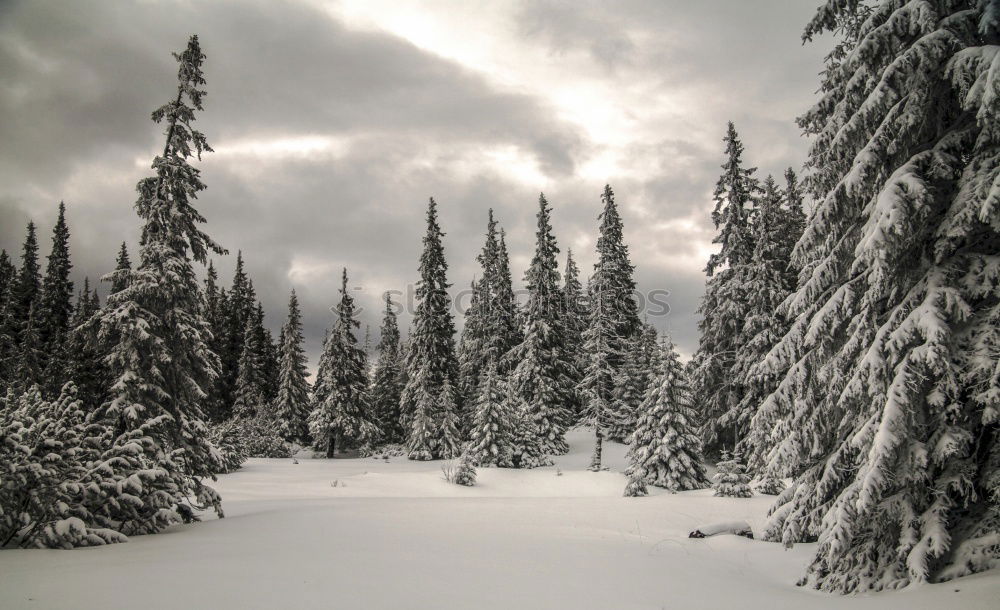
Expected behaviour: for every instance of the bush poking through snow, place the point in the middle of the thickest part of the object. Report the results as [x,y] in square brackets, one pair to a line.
[227,438]
[460,471]
[769,486]
[636,486]
[732,480]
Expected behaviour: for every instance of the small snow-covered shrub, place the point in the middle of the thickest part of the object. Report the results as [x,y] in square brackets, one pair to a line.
[732,479]
[460,471]
[769,486]
[383,452]
[261,438]
[636,486]
[55,486]
[228,439]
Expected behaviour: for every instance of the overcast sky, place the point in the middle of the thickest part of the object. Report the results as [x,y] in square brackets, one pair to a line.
[333,122]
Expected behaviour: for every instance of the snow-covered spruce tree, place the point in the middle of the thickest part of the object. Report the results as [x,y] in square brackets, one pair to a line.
[768,279]
[491,327]
[614,285]
[387,379]
[464,472]
[613,271]
[505,317]
[22,300]
[214,310]
[543,375]
[27,288]
[291,408]
[448,443]
[490,437]
[597,386]
[8,341]
[527,449]
[160,358]
[732,480]
[270,357]
[30,356]
[238,308]
[342,419]
[83,357]
[724,308]
[665,450]
[8,272]
[249,397]
[228,438]
[631,383]
[887,409]
[575,316]
[614,323]
[430,357]
[119,277]
[54,483]
[56,305]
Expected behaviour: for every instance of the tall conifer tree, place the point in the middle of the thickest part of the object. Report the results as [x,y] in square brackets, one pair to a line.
[887,407]
[291,407]
[161,359]
[543,375]
[724,308]
[342,420]
[387,380]
[431,355]
[57,290]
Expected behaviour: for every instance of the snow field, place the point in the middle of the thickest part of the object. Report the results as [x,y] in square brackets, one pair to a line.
[396,535]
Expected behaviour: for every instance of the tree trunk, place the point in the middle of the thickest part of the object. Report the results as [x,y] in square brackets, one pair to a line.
[595,459]
[331,446]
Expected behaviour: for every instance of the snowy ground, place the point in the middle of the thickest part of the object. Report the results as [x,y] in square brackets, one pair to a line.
[396,535]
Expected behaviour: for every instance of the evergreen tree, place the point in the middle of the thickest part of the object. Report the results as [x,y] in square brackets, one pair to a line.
[527,445]
[249,399]
[543,375]
[430,359]
[614,273]
[732,480]
[387,380]
[576,316]
[8,273]
[161,361]
[597,386]
[214,312]
[490,441]
[768,280]
[631,383]
[724,308]
[8,326]
[57,485]
[28,285]
[448,444]
[22,354]
[665,449]
[464,471]
[83,357]
[31,356]
[240,304]
[887,404]
[123,265]
[291,408]
[614,322]
[491,326]
[342,421]
[56,305]
[270,356]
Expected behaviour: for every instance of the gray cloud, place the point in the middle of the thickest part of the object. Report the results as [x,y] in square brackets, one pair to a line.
[80,80]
